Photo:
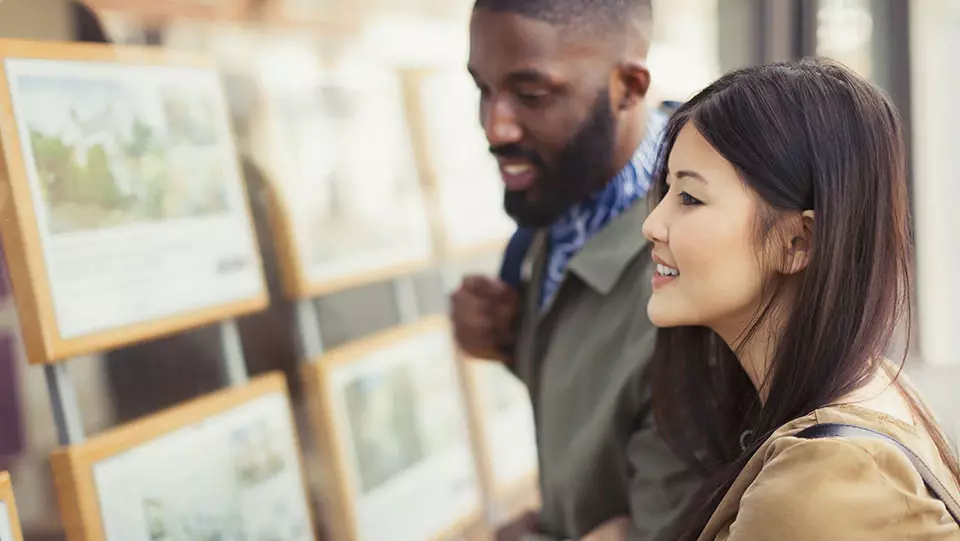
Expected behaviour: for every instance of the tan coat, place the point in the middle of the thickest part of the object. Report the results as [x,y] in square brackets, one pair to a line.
[845,489]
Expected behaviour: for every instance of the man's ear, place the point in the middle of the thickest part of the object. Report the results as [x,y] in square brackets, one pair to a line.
[801,245]
[633,79]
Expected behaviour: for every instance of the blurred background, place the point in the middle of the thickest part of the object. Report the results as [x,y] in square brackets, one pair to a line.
[400,66]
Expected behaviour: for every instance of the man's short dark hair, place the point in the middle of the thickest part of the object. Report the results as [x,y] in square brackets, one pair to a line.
[622,18]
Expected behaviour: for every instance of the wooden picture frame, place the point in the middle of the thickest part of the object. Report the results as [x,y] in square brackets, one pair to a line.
[336,17]
[81,470]
[348,207]
[452,153]
[172,10]
[502,421]
[504,414]
[110,263]
[9,518]
[422,482]
[435,10]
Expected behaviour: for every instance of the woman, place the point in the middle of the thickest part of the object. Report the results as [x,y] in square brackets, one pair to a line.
[783,268]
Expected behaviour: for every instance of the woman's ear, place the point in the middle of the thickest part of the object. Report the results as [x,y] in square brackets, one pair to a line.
[801,245]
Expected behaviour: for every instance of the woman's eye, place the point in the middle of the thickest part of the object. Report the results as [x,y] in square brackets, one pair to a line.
[687,199]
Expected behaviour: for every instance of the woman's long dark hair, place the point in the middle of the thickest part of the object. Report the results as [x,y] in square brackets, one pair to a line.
[803,135]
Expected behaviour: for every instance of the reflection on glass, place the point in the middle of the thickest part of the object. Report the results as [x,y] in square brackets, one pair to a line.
[845,34]
[385,425]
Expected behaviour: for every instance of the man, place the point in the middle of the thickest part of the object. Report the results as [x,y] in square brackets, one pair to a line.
[562,86]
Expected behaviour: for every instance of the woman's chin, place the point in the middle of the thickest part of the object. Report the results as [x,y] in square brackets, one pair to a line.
[659,314]
[666,312]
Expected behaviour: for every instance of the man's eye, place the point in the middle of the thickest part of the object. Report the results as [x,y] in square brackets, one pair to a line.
[533,98]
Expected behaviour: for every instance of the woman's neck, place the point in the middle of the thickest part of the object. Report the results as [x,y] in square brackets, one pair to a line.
[756,352]
[755,342]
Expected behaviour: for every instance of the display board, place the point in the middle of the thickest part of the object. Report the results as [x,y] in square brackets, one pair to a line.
[454,153]
[508,433]
[167,10]
[124,213]
[9,519]
[12,433]
[225,467]
[349,205]
[391,413]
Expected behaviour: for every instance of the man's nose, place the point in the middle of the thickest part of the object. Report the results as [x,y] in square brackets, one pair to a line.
[500,124]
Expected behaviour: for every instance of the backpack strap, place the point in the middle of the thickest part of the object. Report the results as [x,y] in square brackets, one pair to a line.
[511,270]
[513,256]
[839,430]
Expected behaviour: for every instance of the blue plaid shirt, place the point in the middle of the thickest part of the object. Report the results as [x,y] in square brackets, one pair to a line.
[568,234]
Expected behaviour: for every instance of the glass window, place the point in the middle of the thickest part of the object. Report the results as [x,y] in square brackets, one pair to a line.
[845,34]
[935,76]
[683,54]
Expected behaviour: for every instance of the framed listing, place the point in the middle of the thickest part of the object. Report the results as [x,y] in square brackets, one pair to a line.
[391,415]
[508,435]
[349,205]
[124,214]
[463,175]
[9,519]
[226,467]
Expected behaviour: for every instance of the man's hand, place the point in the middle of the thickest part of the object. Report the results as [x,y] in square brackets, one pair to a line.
[611,530]
[520,527]
[484,311]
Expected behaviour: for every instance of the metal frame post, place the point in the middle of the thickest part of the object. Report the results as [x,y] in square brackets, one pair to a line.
[234,364]
[405,298]
[309,338]
[63,402]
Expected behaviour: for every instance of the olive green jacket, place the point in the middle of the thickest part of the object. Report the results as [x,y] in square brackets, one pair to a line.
[582,357]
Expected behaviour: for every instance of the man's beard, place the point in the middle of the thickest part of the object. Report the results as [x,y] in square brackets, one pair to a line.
[579,170]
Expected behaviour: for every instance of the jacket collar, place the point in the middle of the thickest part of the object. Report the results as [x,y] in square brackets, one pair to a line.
[602,260]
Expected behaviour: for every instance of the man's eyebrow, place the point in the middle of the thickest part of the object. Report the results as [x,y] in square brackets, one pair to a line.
[528,76]
[521,76]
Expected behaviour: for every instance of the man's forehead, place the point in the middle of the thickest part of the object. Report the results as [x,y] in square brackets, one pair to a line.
[515,42]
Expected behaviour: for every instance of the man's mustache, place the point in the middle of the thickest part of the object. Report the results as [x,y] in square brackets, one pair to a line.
[517,151]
